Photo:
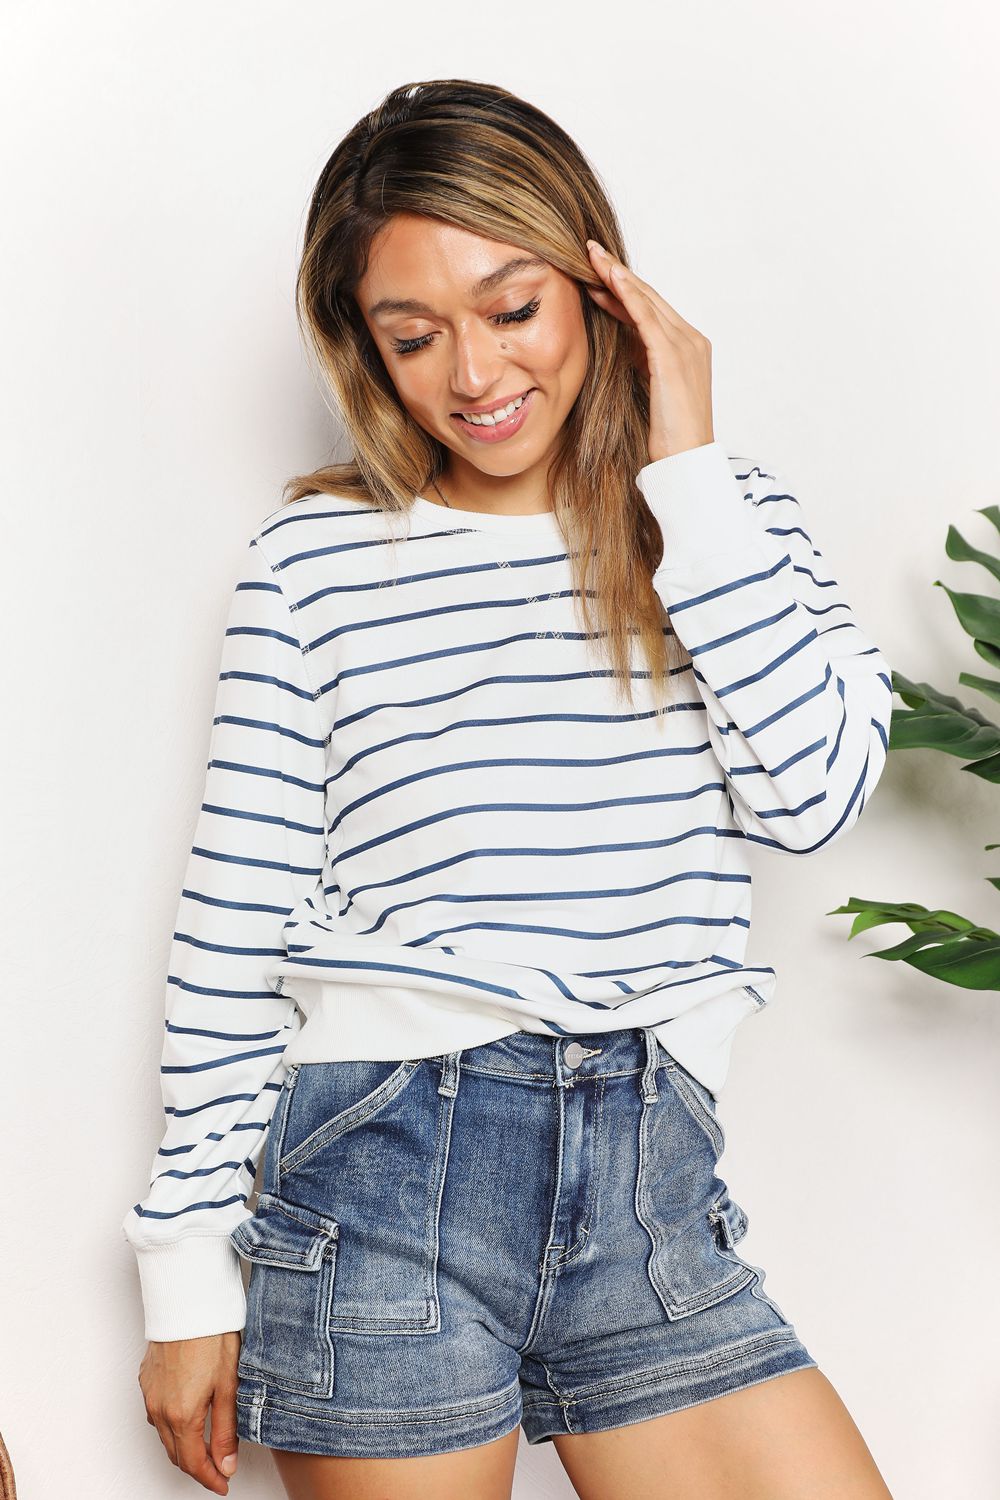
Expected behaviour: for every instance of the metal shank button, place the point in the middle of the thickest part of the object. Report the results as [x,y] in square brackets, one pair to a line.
[573,1056]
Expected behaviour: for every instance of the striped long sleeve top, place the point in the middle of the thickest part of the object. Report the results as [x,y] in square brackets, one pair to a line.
[428,820]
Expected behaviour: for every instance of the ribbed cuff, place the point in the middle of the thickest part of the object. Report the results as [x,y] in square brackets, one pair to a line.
[699,504]
[191,1287]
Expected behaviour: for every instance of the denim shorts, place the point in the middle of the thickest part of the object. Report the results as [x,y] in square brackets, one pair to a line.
[530,1232]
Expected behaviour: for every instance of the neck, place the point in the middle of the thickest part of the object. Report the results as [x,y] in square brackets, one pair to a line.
[464,487]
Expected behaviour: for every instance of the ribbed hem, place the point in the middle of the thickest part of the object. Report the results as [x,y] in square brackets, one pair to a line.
[191,1287]
[699,504]
[388,1022]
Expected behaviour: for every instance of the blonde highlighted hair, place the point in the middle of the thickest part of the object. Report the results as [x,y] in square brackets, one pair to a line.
[474,155]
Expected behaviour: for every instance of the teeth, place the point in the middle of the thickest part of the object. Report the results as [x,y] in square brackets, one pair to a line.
[490,419]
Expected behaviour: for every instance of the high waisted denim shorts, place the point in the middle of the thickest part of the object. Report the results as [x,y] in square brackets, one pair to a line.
[530,1232]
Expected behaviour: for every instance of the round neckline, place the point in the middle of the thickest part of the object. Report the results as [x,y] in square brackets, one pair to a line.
[537,523]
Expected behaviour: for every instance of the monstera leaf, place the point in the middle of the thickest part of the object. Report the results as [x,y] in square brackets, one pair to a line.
[938,722]
[943,944]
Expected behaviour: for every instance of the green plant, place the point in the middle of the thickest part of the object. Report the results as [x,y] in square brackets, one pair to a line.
[942,943]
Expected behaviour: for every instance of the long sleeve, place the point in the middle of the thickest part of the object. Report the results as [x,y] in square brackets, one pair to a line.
[258,850]
[798,699]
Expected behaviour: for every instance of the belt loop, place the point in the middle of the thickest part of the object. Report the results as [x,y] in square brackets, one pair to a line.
[449,1073]
[649,1089]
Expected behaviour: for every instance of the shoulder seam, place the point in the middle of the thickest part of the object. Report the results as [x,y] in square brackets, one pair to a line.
[274,570]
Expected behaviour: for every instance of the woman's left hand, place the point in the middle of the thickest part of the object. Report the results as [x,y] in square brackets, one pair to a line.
[674,359]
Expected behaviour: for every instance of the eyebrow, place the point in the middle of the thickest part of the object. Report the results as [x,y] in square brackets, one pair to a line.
[479,289]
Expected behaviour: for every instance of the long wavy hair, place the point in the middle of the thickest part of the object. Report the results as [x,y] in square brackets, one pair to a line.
[474,155]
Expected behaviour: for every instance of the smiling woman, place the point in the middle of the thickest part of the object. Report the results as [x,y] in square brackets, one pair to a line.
[447,359]
[445,273]
[461,945]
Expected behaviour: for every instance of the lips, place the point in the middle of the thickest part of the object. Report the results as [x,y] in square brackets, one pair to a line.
[495,433]
[485,411]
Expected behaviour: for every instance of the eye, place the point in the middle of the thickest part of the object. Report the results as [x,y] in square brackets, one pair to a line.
[520,315]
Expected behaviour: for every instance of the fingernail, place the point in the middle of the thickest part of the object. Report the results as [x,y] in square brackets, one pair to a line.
[228,1464]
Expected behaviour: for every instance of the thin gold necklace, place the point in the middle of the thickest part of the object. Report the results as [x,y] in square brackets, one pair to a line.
[451,507]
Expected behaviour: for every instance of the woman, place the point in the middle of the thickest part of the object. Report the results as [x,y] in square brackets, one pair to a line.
[463,929]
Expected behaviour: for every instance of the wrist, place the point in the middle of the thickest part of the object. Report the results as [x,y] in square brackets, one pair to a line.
[673,446]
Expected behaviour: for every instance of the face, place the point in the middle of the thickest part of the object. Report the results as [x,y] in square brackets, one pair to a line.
[461,329]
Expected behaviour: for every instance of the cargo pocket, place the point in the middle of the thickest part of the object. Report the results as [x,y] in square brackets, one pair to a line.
[692,1222]
[369,1141]
[293,1256]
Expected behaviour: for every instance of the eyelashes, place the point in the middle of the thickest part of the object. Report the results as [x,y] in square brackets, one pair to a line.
[520,315]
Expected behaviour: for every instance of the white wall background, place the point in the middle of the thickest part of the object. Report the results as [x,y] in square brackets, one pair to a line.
[815,188]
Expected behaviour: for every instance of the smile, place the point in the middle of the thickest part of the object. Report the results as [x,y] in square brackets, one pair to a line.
[492,427]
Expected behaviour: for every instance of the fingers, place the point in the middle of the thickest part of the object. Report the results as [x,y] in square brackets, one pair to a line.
[641,313]
[609,302]
[649,328]
[166,1437]
[224,1443]
[603,264]
[183,1437]
[193,1457]
[156,1417]
[613,305]
[629,287]
[646,313]
[182,1381]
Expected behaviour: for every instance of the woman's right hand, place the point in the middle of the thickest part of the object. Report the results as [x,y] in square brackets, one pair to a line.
[182,1381]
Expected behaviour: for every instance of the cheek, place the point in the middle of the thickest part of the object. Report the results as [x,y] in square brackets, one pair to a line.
[547,349]
[558,344]
[412,386]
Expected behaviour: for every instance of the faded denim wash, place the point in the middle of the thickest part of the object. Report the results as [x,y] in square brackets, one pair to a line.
[527,1232]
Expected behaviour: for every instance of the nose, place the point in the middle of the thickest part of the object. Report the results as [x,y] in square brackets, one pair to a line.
[478,362]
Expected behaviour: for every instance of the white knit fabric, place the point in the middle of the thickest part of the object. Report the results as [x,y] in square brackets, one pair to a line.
[428,820]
